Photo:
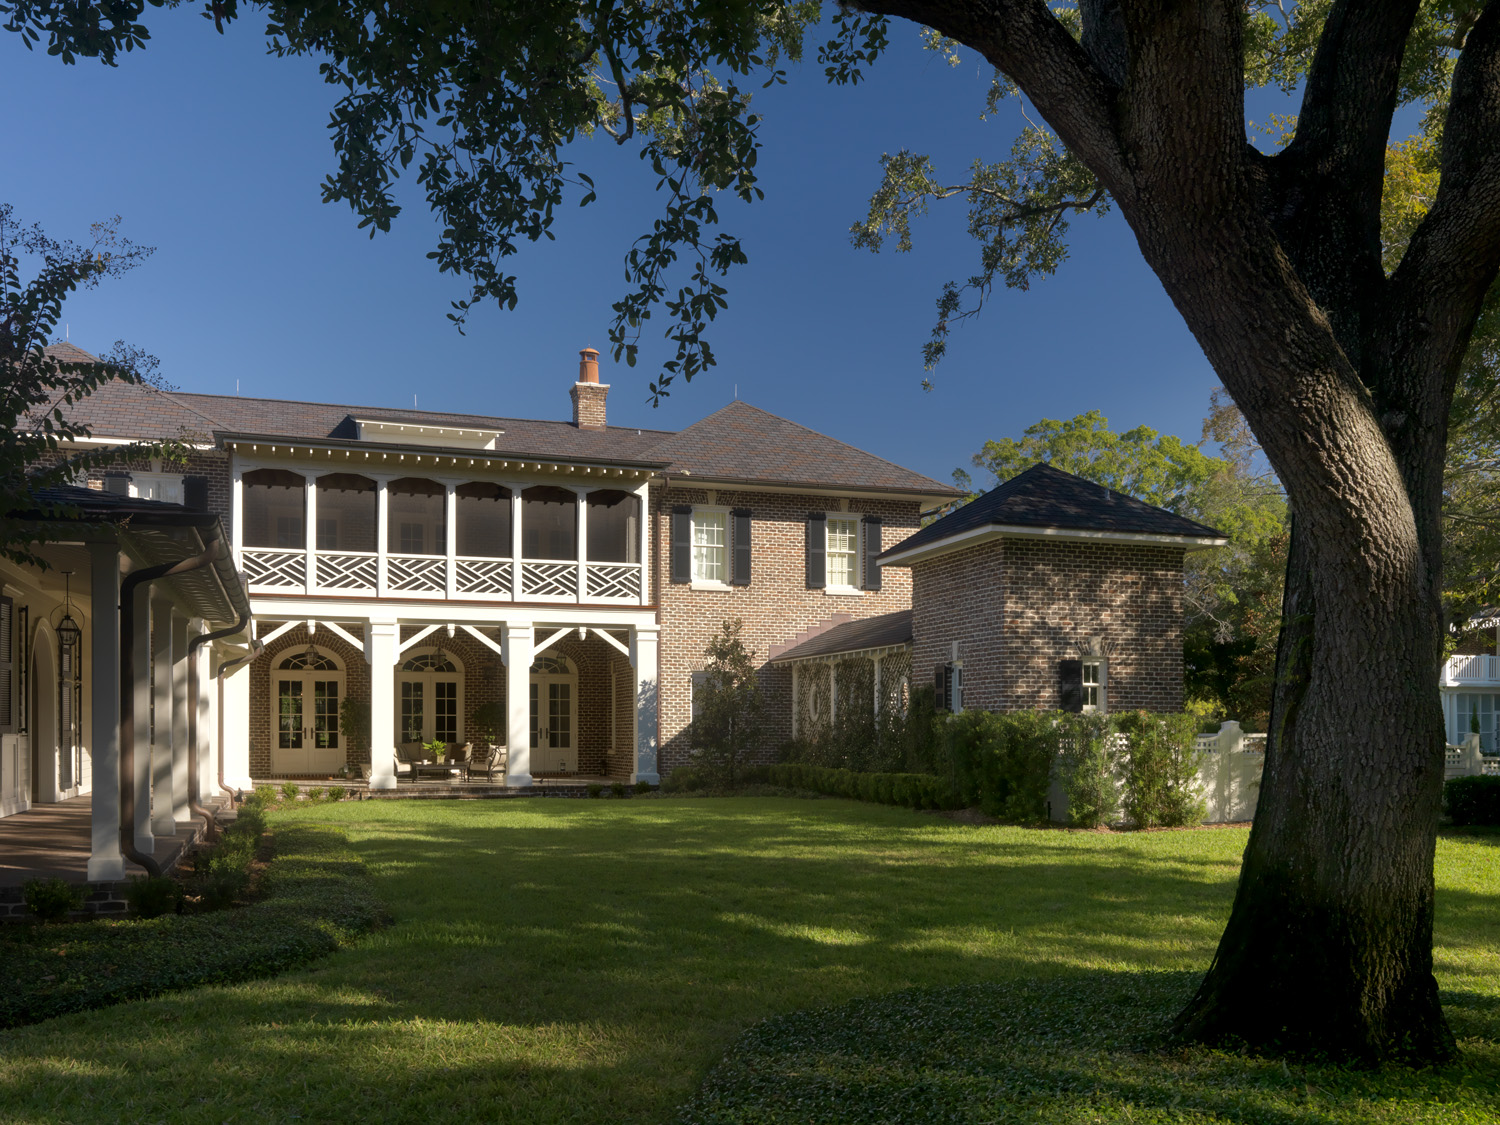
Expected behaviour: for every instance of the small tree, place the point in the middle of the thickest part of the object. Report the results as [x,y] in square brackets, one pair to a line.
[354,717]
[727,705]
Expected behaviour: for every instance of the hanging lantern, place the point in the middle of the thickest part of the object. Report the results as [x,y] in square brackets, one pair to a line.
[68,632]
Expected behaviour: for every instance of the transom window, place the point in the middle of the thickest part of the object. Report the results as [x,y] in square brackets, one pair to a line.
[429,662]
[710,546]
[1094,685]
[549,665]
[843,551]
[308,661]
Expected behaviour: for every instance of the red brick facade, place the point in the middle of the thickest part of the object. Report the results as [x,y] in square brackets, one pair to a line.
[775,607]
[1018,606]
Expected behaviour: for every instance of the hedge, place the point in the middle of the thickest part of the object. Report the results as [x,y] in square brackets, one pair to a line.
[1473,800]
[913,790]
[318,896]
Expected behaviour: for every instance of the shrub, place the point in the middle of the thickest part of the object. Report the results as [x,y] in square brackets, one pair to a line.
[1088,755]
[337,793]
[263,796]
[319,896]
[1473,800]
[152,896]
[643,787]
[684,779]
[52,900]
[617,788]
[249,821]
[1160,769]
[727,706]
[913,790]
[290,791]
[595,789]
[224,885]
[1003,761]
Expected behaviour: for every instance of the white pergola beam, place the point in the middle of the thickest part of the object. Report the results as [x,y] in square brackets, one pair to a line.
[415,638]
[494,646]
[553,639]
[284,627]
[624,649]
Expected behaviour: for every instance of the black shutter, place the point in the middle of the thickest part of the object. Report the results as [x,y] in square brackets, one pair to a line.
[195,493]
[872,548]
[682,543]
[940,682]
[7,665]
[817,550]
[739,566]
[1070,685]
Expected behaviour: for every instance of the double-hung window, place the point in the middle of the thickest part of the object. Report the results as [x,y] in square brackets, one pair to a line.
[1095,683]
[710,546]
[843,552]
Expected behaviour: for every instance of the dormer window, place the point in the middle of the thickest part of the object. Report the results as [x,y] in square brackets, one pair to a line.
[398,431]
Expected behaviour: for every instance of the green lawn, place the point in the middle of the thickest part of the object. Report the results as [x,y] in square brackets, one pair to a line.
[592,960]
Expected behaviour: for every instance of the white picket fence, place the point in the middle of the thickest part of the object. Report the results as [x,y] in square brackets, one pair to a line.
[1468,760]
[1228,777]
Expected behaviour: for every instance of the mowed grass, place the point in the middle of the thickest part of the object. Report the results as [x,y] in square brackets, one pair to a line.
[593,960]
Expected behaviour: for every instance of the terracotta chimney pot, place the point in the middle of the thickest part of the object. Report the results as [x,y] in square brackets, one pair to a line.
[588,365]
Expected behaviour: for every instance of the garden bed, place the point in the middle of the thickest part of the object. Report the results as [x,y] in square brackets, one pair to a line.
[316,896]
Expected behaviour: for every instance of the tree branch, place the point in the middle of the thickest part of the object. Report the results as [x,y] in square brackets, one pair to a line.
[1027,42]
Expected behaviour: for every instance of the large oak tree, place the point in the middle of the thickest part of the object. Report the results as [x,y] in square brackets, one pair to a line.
[1344,370]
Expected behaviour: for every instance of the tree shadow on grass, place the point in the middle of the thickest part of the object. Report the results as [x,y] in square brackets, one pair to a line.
[1073,1049]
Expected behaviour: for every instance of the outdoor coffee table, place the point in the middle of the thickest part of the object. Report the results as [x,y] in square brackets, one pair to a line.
[436,769]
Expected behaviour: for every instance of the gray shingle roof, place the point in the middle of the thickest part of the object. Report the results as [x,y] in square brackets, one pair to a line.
[1045,497]
[854,636]
[739,443]
[744,443]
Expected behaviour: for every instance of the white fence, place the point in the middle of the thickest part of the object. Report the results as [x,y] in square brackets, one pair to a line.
[1228,777]
[1467,760]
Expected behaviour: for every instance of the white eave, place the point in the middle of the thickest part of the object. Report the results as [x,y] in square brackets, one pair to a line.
[420,433]
[990,532]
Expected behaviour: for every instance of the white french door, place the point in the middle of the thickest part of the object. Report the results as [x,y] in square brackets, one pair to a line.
[306,722]
[554,716]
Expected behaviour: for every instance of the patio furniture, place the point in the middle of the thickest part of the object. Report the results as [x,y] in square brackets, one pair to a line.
[441,771]
[484,759]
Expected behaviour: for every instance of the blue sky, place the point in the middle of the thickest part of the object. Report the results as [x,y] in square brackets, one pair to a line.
[213,152]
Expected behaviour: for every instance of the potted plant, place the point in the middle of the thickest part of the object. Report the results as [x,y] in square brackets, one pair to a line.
[437,748]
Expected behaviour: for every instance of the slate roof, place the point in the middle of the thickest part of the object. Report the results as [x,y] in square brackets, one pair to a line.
[742,443]
[738,444]
[1047,498]
[884,631]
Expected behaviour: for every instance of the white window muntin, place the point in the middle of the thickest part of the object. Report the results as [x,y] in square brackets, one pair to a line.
[1095,684]
[710,545]
[842,545]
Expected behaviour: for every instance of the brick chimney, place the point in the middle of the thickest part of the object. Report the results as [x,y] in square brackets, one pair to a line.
[588,393]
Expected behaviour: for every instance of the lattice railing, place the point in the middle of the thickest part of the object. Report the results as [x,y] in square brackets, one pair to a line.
[278,569]
[414,574]
[549,579]
[482,576]
[345,571]
[614,580]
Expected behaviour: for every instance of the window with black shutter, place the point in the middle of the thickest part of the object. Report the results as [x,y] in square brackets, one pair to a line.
[739,568]
[940,683]
[682,543]
[817,550]
[872,548]
[7,665]
[1070,685]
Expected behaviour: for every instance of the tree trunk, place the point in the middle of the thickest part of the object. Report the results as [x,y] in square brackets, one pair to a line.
[1328,949]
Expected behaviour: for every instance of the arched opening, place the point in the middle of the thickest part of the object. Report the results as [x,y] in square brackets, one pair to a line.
[430,698]
[308,690]
[416,511]
[346,512]
[549,523]
[483,516]
[614,526]
[554,714]
[275,514]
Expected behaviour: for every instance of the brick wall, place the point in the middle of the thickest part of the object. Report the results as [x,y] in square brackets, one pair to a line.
[1019,606]
[776,606]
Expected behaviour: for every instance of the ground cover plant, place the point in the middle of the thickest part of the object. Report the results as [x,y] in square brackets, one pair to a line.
[594,960]
[317,897]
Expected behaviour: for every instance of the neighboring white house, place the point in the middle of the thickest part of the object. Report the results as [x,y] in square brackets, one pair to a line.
[1470,685]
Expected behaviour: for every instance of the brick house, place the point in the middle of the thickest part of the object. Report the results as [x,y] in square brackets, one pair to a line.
[1048,592]
[569,572]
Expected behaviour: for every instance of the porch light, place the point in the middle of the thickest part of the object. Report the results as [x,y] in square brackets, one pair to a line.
[68,632]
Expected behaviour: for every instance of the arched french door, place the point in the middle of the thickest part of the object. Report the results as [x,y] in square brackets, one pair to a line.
[308,688]
[554,715]
[430,698]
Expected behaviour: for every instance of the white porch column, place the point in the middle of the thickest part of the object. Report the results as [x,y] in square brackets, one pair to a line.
[450,547]
[140,654]
[380,651]
[310,532]
[180,704]
[106,862]
[518,641]
[583,542]
[236,748]
[208,722]
[383,540]
[643,658]
[163,753]
[515,541]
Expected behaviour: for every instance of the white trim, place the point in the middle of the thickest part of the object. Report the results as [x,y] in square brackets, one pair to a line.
[978,535]
[840,656]
[927,500]
[339,631]
[284,627]
[696,582]
[402,646]
[494,646]
[624,649]
[540,646]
